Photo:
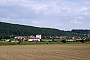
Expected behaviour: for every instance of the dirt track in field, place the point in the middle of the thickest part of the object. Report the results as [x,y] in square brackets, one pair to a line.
[46,52]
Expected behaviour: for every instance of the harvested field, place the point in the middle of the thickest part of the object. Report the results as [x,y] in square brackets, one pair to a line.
[46,52]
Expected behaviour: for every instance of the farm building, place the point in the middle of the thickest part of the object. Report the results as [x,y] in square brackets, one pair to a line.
[33,39]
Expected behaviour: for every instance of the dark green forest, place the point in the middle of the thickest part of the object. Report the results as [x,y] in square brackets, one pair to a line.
[9,29]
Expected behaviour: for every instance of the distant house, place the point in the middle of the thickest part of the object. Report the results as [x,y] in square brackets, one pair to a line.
[29,38]
[70,40]
[21,37]
[33,39]
[78,40]
[38,36]
[61,37]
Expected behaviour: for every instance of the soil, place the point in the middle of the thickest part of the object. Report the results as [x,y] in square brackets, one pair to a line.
[46,52]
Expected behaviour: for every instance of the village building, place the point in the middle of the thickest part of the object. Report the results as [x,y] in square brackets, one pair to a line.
[31,38]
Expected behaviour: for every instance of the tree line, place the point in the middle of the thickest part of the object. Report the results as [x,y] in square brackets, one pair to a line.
[7,30]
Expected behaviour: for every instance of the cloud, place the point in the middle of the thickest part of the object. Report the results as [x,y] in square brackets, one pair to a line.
[37,22]
[75,21]
[52,13]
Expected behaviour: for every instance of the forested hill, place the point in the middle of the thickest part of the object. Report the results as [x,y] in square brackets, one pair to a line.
[23,30]
[16,29]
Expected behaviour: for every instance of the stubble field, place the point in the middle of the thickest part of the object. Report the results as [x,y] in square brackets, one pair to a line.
[46,52]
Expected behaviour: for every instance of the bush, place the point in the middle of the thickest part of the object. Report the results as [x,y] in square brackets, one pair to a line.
[64,40]
[83,41]
[9,40]
[52,39]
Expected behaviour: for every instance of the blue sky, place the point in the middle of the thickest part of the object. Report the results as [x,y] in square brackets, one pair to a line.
[59,14]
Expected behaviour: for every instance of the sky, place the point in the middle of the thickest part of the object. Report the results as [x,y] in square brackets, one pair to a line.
[58,14]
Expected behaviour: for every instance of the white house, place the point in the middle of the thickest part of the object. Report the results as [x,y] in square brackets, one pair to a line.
[38,36]
[34,39]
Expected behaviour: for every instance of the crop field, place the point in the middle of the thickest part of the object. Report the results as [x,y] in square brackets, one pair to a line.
[46,52]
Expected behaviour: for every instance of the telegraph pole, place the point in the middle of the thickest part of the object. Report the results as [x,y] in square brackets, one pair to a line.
[89,35]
